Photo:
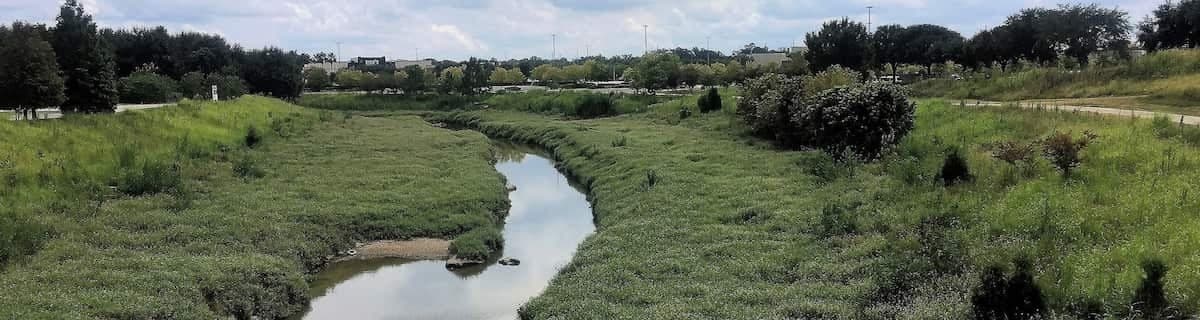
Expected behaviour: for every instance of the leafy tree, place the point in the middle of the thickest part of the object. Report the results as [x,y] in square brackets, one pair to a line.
[546,73]
[734,72]
[797,65]
[927,44]
[1084,29]
[862,119]
[351,79]
[889,43]
[147,87]
[954,169]
[414,79]
[1172,25]
[475,76]
[29,77]
[709,102]
[85,60]
[1151,298]
[192,85]
[839,42]
[1016,297]
[450,79]
[316,79]
[274,72]
[229,87]
[657,71]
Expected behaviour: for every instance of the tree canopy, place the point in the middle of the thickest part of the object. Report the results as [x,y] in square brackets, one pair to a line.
[839,42]
[85,61]
[28,71]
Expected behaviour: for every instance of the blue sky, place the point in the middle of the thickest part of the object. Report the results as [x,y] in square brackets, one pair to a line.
[457,29]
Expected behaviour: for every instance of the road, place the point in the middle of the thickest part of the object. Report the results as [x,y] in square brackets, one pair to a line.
[1190,120]
[53,113]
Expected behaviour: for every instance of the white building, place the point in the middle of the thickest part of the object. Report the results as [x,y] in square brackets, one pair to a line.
[331,67]
[424,63]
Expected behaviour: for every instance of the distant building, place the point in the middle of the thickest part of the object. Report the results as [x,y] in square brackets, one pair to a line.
[763,59]
[423,63]
[368,62]
[331,67]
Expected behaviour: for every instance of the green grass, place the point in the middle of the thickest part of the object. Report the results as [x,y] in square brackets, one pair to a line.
[376,102]
[1168,78]
[567,102]
[232,244]
[729,227]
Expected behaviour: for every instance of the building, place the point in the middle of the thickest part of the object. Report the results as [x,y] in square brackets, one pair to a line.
[423,63]
[368,62]
[331,67]
[764,59]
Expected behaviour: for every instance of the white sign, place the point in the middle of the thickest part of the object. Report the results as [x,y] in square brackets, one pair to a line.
[214,95]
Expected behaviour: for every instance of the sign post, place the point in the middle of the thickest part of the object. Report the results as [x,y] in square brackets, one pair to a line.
[214,94]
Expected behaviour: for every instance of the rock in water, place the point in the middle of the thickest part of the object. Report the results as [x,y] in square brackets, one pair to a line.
[510,262]
[459,263]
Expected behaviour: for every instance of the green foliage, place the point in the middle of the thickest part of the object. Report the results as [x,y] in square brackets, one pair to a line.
[709,102]
[685,113]
[954,169]
[147,87]
[149,177]
[29,76]
[316,79]
[478,244]
[253,138]
[656,71]
[1063,150]
[1017,297]
[839,42]
[1172,25]
[248,167]
[570,103]
[832,77]
[86,63]
[273,72]
[1150,299]
[862,119]
[369,102]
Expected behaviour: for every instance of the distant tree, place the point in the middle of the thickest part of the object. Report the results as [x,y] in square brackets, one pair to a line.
[657,71]
[192,85]
[927,45]
[351,79]
[147,87]
[574,73]
[450,79]
[595,71]
[709,102]
[888,44]
[414,80]
[229,87]
[1172,25]
[475,76]
[734,72]
[274,72]
[29,76]
[839,42]
[1082,30]
[87,65]
[316,79]
[751,48]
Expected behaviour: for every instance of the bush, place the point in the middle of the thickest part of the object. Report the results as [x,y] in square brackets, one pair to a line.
[954,169]
[247,167]
[477,244]
[709,102]
[1018,297]
[767,103]
[147,87]
[1063,150]
[149,177]
[594,106]
[1013,152]
[253,138]
[685,113]
[835,76]
[861,119]
[1150,300]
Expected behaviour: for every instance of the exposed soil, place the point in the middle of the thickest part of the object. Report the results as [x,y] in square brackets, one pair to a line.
[416,249]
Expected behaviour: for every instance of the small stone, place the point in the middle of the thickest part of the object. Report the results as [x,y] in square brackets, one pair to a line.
[510,262]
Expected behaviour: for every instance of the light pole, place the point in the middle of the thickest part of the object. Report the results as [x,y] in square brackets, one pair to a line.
[339,56]
[553,46]
[645,39]
[869,18]
[708,50]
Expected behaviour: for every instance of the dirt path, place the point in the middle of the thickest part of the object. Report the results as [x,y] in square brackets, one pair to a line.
[1186,119]
[416,249]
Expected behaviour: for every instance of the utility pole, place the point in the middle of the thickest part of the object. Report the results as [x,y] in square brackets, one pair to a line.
[869,18]
[339,56]
[553,46]
[708,50]
[645,39]
[416,54]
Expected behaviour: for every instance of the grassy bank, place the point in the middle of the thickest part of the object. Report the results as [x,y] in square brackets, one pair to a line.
[698,221]
[241,228]
[571,103]
[1169,78]
[378,102]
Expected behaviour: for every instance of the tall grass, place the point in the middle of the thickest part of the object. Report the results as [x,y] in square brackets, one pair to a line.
[884,239]
[1170,77]
[571,103]
[375,102]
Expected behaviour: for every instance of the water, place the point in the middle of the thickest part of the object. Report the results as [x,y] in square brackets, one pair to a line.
[548,220]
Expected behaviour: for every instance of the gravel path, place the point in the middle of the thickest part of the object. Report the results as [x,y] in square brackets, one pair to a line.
[1191,120]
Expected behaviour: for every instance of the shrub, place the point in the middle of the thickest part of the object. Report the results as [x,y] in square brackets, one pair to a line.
[1063,150]
[247,166]
[147,87]
[594,106]
[1018,297]
[836,220]
[835,76]
[685,113]
[767,103]
[149,177]
[477,244]
[1013,152]
[253,138]
[861,119]
[1150,300]
[709,102]
[651,180]
[954,169]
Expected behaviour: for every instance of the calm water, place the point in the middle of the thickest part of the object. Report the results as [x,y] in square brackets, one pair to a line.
[548,220]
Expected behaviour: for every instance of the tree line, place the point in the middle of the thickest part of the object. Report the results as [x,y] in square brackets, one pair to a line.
[81,68]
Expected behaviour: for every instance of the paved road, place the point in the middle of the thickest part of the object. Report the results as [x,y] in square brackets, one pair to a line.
[53,113]
[1191,120]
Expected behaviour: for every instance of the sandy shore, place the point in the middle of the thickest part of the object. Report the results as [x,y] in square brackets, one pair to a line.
[417,249]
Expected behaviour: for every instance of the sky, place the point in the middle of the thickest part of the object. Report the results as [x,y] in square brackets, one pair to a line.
[503,29]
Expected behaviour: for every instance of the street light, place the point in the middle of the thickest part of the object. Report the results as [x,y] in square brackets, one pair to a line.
[869,18]
[645,39]
[553,46]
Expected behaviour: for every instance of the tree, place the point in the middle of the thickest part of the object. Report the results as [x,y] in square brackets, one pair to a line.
[839,42]
[414,79]
[888,44]
[351,79]
[1082,30]
[796,65]
[450,79]
[192,85]
[147,87]
[229,87]
[475,76]
[546,73]
[29,76]
[657,71]
[273,72]
[316,79]
[927,44]
[1172,25]
[87,65]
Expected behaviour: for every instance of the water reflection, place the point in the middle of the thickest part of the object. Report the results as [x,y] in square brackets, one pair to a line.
[548,220]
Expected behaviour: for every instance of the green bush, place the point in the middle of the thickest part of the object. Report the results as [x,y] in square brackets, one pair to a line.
[954,169]
[147,87]
[1017,297]
[477,244]
[862,119]
[1150,300]
[709,102]
[767,103]
[593,106]
[246,167]
[150,177]
[253,138]
[1063,150]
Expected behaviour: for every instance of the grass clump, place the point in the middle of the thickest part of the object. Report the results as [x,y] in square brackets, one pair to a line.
[376,102]
[478,244]
[954,169]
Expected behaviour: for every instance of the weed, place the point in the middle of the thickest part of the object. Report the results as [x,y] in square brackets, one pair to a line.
[253,138]
[954,169]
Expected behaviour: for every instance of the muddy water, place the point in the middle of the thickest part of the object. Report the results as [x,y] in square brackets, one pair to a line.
[548,220]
